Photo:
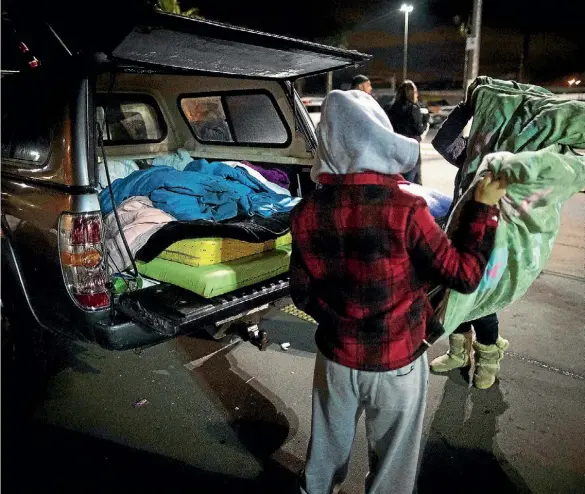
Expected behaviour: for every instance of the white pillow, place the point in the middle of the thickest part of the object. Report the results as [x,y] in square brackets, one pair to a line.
[118,169]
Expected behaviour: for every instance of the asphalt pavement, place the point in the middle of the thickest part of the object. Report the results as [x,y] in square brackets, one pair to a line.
[223,417]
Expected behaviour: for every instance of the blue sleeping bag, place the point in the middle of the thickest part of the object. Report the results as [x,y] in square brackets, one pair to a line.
[210,191]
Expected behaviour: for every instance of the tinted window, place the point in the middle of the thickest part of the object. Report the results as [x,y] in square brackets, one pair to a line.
[235,118]
[26,131]
[207,118]
[132,119]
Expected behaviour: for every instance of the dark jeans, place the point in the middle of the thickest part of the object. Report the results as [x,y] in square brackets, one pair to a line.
[486,329]
[414,175]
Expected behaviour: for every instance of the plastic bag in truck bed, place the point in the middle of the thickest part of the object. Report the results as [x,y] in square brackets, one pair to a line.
[542,172]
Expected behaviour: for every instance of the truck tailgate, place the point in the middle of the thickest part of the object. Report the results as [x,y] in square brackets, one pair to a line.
[170,310]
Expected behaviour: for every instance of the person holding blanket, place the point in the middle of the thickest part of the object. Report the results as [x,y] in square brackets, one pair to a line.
[489,345]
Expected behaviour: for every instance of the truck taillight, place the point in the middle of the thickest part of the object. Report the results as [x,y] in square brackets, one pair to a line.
[82,259]
[86,229]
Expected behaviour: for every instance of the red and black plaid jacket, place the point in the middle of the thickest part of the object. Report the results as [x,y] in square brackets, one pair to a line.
[364,254]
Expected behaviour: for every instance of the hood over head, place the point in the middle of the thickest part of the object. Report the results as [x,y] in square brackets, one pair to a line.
[355,136]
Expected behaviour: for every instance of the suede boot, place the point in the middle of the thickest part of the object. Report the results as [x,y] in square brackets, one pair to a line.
[487,362]
[457,356]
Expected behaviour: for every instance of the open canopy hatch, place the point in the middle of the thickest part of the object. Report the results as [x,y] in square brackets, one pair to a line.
[202,46]
[166,42]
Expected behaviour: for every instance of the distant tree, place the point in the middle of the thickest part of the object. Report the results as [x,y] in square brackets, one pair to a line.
[173,7]
[339,39]
[463,25]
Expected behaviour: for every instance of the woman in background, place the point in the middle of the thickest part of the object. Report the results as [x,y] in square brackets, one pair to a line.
[407,120]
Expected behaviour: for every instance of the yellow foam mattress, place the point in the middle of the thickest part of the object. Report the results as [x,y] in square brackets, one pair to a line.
[210,251]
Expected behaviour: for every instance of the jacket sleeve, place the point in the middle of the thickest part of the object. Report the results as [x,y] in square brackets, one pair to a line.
[459,264]
[449,142]
[418,126]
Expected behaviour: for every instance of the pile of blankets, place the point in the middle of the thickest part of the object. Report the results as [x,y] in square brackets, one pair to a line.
[187,190]
[525,135]
[203,191]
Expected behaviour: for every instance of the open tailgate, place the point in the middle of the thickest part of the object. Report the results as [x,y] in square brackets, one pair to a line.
[171,310]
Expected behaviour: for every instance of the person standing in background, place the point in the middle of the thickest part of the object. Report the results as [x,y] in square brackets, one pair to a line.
[407,120]
[362,83]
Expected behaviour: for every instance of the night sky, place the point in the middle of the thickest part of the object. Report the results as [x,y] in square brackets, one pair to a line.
[436,46]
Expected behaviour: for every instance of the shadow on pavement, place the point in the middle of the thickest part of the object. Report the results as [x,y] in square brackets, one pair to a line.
[261,421]
[52,459]
[286,328]
[461,454]
[29,363]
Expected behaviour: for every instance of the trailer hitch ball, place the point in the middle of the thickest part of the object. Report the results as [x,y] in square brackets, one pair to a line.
[258,337]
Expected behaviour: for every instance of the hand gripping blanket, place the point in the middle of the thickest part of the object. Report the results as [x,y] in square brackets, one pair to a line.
[523,134]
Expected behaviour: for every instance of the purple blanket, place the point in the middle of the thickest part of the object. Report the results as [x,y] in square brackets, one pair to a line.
[274,175]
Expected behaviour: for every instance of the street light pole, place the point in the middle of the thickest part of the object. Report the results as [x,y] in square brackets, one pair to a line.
[407,9]
[472,45]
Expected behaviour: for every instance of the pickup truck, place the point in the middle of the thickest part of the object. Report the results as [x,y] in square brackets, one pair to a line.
[140,77]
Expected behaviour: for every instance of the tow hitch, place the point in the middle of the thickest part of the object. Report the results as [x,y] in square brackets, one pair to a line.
[255,335]
[244,325]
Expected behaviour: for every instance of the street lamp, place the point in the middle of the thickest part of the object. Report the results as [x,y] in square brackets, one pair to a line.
[407,9]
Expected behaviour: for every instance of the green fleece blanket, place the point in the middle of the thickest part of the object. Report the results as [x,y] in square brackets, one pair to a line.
[513,117]
[522,133]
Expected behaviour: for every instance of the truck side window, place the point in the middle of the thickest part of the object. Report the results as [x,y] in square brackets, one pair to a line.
[255,119]
[26,134]
[132,119]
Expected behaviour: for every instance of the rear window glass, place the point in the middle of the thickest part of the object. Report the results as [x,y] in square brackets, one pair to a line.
[132,119]
[207,118]
[235,118]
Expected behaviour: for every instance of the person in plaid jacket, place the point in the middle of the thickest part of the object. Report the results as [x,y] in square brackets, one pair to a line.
[364,256]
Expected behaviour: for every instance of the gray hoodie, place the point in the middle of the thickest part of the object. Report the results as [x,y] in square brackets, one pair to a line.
[355,136]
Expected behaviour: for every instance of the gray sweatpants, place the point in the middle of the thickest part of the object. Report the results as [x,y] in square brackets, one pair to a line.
[394,402]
